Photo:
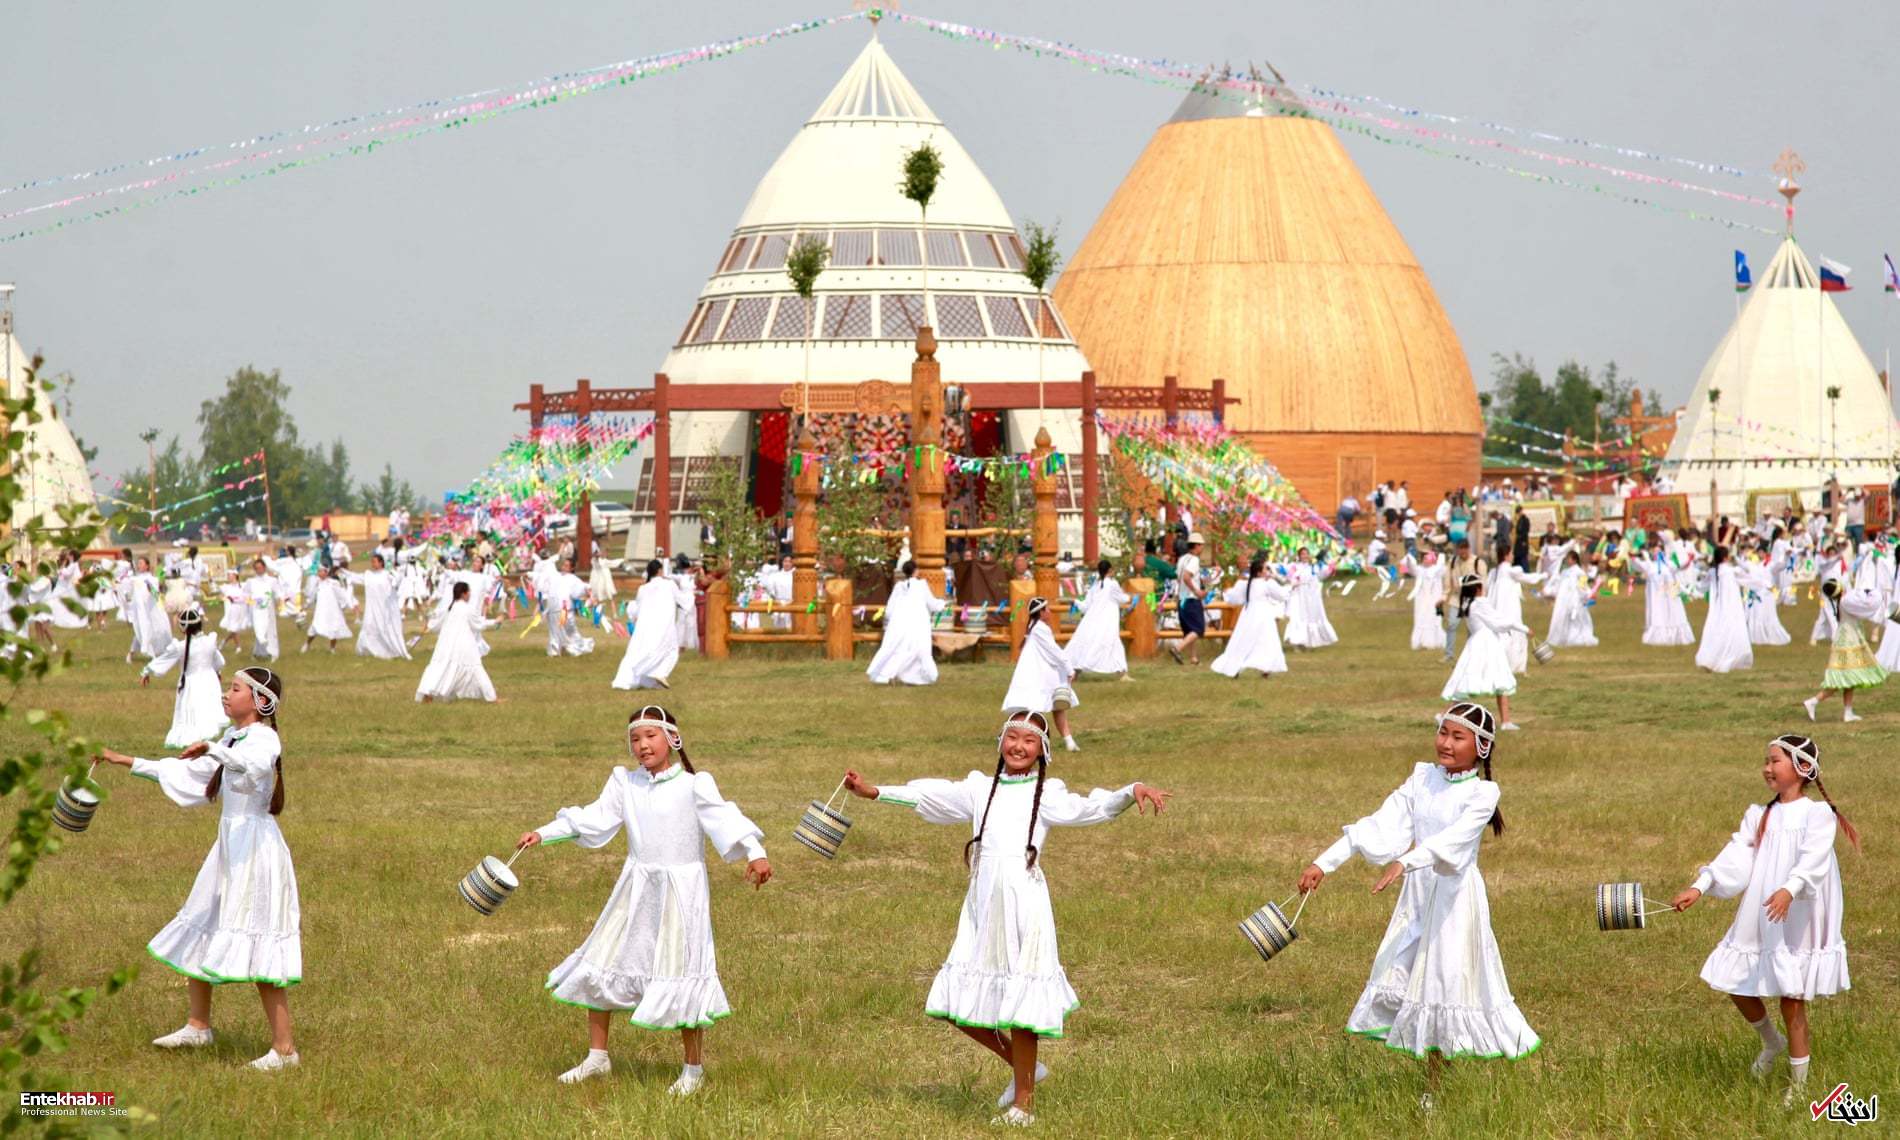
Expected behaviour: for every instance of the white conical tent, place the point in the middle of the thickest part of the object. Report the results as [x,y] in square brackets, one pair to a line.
[1774,426]
[50,467]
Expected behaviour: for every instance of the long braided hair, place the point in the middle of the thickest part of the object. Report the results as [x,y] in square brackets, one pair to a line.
[275,684]
[189,623]
[1473,713]
[674,739]
[1035,721]
[1791,744]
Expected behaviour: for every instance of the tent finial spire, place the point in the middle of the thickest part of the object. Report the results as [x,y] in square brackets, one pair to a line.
[1789,165]
[875,9]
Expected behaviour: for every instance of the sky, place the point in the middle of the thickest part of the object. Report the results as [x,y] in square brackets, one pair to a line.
[411,296]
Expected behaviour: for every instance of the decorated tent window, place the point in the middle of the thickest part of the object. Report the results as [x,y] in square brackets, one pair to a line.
[1050,324]
[846,316]
[946,249]
[1012,247]
[725,259]
[958,315]
[710,325]
[742,253]
[748,318]
[772,249]
[851,248]
[983,253]
[901,314]
[686,333]
[1006,319]
[789,322]
[897,247]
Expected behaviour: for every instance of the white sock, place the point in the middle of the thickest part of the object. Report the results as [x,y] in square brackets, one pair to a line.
[1772,1043]
[693,1071]
[1797,1072]
[596,1055]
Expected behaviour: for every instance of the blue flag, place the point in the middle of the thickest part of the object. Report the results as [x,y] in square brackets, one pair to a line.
[1742,277]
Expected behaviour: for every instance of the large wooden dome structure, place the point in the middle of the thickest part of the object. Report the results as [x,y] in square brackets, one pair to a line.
[1245,245]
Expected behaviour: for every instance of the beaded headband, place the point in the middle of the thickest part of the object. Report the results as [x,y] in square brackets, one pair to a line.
[191,613]
[653,716]
[266,700]
[1804,754]
[1036,606]
[1033,721]
[1477,718]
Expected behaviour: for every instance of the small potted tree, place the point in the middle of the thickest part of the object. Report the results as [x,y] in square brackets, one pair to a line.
[803,264]
[923,170]
[1040,261]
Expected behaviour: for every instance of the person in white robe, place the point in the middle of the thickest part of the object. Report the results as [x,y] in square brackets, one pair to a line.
[1725,646]
[289,570]
[1255,642]
[1096,644]
[327,618]
[234,621]
[151,625]
[1550,562]
[566,599]
[1042,681]
[687,581]
[904,655]
[1832,568]
[381,634]
[1781,567]
[103,603]
[778,585]
[1761,603]
[653,649]
[1506,592]
[1786,940]
[600,581]
[455,670]
[1484,664]
[198,699]
[651,952]
[261,598]
[1889,656]
[1427,598]
[1306,625]
[67,608]
[1437,987]
[1665,620]
[1003,984]
[241,922]
[1570,623]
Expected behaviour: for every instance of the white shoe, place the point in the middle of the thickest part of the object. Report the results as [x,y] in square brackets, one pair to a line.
[1009,1093]
[189,1037]
[1015,1118]
[273,1060]
[1850,716]
[1069,744]
[1810,705]
[1508,726]
[1426,1103]
[586,1070]
[687,1085]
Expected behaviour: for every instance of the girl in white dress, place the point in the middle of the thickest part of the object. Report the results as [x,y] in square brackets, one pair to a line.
[653,649]
[1851,663]
[904,655]
[1570,624]
[1003,984]
[566,599]
[261,597]
[1043,676]
[68,607]
[103,602]
[151,625]
[1096,644]
[1665,620]
[241,921]
[1725,645]
[326,614]
[1506,592]
[1761,604]
[1427,598]
[381,635]
[651,951]
[1437,986]
[198,703]
[1484,664]
[687,583]
[1255,642]
[455,669]
[1306,624]
[1786,939]
[235,621]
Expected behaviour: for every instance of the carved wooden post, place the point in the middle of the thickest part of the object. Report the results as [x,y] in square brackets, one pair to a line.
[805,534]
[1170,412]
[926,474]
[662,467]
[1020,591]
[1042,530]
[1141,619]
[584,516]
[1220,400]
[840,644]
[718,622]
[1091,475]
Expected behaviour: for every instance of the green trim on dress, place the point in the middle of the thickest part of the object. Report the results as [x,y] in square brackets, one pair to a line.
[681,1025]
[576,1004]
[675,770]
[219,979]
[1379,1035]
[1014,779]
[146,776]
[884,798]
[562,839]
[944,1015]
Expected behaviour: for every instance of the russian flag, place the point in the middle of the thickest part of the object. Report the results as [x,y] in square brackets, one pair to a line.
[1834,276]
[1742,277]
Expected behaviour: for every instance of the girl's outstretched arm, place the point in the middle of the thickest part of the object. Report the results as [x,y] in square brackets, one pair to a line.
[593,824]
[937,801]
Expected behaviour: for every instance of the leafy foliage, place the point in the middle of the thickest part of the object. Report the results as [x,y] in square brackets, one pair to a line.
[1573,400]
[849,506]
[1009,503]
[805,262]
[1040,257]
[923,170]
[741,538]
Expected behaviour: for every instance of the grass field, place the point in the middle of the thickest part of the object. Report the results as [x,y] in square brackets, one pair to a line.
[419,1018]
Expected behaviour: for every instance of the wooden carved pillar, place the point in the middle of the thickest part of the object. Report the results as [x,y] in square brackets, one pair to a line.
[926,477]
[662,467]
[1220,400]
[718,622]
[1141,619]
[805,534]
[1042,530]
[1091,476]
[840,642]
[1170,412]
[584,512]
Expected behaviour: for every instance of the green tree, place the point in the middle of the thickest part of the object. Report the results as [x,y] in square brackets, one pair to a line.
[329,487]
[849,505]
[741,538]
[177,475]
[1574,400]
[387,493]
[252,414]
[1008,504]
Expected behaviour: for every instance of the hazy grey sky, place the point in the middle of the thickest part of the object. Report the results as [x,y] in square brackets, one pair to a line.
[411,296]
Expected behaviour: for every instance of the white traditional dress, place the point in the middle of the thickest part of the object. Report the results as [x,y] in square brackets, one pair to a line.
[1506,594]
[1306,624]
[455,669]
[241,921]
[1725,645]
[653,649]
[1889,656]
[1042,676]
[1832,568]
[1762,606]
[566,597]
[381,635]
[1665,620]
[651,949]
[1803,956]
[1096,644]
[688,587]
[261,593]
[1484,664]
[106,599]
[1428,592]
[198,702]
[69,610]
[326,616]
[1004,971]
[151,625]
[1255,642]
[1570,624]
[236,617]
[903,655]
[1437,982]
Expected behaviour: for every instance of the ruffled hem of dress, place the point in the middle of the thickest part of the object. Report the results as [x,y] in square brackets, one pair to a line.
[1865,678]
[1453,1031]
[224,956]
[1038,1003]
[692,1002]
[1792,973]
[1680,635]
